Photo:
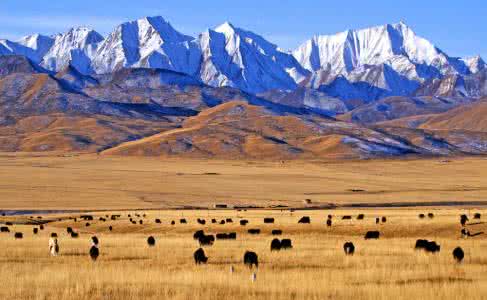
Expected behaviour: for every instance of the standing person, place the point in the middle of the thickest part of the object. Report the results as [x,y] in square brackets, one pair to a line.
[53,246]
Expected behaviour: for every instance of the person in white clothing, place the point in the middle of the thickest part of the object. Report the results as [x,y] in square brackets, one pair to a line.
[53,246]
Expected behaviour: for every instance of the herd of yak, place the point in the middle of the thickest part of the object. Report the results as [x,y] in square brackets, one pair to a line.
[250,258]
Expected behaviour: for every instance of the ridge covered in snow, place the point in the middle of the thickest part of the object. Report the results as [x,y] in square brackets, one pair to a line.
[368,63]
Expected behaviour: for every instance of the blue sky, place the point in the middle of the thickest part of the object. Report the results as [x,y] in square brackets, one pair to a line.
[459,28]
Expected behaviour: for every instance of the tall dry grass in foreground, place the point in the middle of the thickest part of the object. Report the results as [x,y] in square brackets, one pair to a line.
[315,269]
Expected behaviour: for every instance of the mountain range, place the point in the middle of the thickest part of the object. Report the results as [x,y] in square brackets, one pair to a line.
[148,89]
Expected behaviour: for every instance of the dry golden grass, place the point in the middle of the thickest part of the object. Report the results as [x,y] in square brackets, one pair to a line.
[315,269]
[100,182]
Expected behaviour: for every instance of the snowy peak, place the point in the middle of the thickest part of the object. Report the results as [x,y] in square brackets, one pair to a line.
[75,47]
[475,63]
[149,42]
[350,49]
[239,58]
[40,44]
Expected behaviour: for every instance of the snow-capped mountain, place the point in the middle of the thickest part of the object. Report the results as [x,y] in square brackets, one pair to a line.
[76,47]
[366,64]
[39,44]
[391,58]
[235,57]
[149,42]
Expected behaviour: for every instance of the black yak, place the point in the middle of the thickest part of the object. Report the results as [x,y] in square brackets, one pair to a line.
[198,234]
[74,235]
[384,219]
[206,240]
[360,217]
[372,235]
[18,235]
[346,217]
[275,245]
[69,230]
[431,215]
[4,229]
[304,220]
[200,257]
[276,232]
[229,220]
[158,221]
[254,231]
[201,221]
[458,254]
[35,230]
[463,220]
[232,236]
[286,244]
[477,216]
[151,241]
[94,252]
[251,259]
[268,220]
[349,248]
[328,222]
[182,221]
[244,222]
[421,216]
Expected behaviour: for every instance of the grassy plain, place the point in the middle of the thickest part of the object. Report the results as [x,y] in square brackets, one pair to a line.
[316,268]
[105,182]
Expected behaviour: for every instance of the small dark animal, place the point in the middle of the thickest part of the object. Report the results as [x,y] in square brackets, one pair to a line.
[4,229]
[477,216]
[35,230]
[94,253]
[276,232]
[9,223]
[141,222]
[458,254]
[151,241]
[213,221]
[431,215]
[304,220]
[183,221]
[372,235]
[69,230]
[74,235]
[421,216]
[463,220]
[377,220]
[384,219]
[346,217]
[173,222]
[54,235]
[428,246]
[206,240]
[221,236]
[201,221]
[360,217]
[328,222]
[198,234]
[349,248]
[268,220]
[200,257]
[18,235]
[275,245]
[253,231]
[232,236]
[286,244]
[229,220]
[244,222]
[251,259]
[222,222]
[110,228]
[158,221]
[87,224]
